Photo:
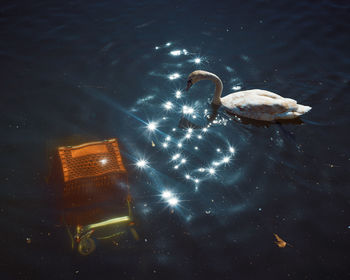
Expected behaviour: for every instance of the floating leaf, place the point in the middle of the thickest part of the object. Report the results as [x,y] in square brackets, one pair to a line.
[280,242]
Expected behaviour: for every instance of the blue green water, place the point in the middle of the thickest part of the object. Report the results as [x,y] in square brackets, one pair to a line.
[81,71]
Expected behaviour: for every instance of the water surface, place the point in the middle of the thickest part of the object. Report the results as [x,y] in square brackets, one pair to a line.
[82,71]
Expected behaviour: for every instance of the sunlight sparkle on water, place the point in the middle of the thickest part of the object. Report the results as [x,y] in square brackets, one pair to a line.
[178,94]
[175,157]
[232,150]
[167,194]
[226,159]
[168,105]
[173,201]
[151,126]
[175,53]
[197,60]
[211,171]
[187,110]
[236,87]
[174,76]
[141,163]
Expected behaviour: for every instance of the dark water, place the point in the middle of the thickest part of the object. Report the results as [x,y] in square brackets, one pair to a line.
[90,70]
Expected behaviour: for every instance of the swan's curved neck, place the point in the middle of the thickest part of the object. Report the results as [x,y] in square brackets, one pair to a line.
[218,88]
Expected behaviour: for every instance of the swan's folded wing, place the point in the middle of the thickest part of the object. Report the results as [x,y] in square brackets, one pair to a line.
[266,105]
[266,93]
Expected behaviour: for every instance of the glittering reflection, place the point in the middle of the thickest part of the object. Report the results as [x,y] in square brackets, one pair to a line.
[141,163]
[165,145]
[187,110]
[178,94]
[175,53]
[168,105]
[197,60]
[176,156]
[170,198]
[173,201]
[189,154]
[152,126]
[167,194]
[174,76]
[211,171]
[237,87]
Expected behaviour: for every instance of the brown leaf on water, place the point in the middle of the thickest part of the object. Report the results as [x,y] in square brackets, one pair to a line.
[279,241]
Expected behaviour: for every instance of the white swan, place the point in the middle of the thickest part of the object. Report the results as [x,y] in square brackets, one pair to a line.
[254,104]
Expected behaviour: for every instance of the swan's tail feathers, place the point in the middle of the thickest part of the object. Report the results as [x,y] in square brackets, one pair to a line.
[294,112]
[302,109]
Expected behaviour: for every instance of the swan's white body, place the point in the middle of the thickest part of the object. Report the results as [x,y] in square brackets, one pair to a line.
[254,104]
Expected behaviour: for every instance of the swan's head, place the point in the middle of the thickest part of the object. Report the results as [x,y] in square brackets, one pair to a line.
[195,77]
